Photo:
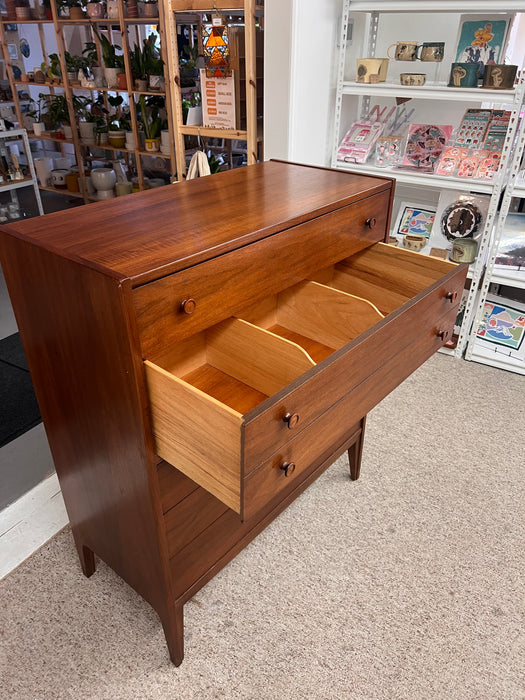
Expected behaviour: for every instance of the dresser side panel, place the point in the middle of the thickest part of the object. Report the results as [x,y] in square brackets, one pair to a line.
[75,334]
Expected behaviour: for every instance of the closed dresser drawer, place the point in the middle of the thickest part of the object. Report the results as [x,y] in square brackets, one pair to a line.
[189,301]
[229,402]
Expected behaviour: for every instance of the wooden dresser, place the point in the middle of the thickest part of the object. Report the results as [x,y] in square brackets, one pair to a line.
[202,352]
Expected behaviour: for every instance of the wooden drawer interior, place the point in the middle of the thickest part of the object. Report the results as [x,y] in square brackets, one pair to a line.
[385,275]
[202,387]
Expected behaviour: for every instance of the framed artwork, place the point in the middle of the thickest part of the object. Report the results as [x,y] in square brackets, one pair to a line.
[415,220]
[502,328]
[482,39]
[510,258]
[12,50]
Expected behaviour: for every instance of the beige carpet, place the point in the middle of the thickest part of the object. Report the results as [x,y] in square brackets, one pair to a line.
[406,584]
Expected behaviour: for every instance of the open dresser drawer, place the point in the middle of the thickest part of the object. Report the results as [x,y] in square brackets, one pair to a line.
[247,406]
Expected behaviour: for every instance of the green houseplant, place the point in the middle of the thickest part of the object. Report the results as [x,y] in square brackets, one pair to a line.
[38,113]
[151,123]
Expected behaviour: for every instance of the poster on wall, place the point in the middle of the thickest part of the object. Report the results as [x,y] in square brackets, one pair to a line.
[510,258]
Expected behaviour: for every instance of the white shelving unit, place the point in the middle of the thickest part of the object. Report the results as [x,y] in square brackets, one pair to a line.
[503,358]
[435,92]
[30,181]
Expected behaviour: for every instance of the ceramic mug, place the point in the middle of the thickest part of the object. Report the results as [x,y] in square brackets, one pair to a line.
[499,77]
[404,51]
[432,51]
[464,75]
[371,70]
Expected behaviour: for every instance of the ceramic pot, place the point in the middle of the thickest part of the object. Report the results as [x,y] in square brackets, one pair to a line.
[103,178]
[58,178]
[95,10]
[112,9]
[38,128]
[87,131]
[431,51]
[371,70]
[117,139]
[194,117]
[141,85]
[72,182]
[110,74]
[156,82]
[123,188]
[412,78]
[151,145]
[463,75]
[151,9]
[130,140]
[464,250]
[43,167]
[68,131]
[122,81]
[76,12]
[499,77]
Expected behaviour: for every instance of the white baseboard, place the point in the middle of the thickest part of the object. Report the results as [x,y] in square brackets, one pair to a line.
[30,522]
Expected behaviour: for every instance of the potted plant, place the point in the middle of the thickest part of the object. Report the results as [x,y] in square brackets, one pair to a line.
[38,113]
[70,8]
[116,134]
[74,65]
[188,66]
[58,110]
[194,110]
[151,122]
[52,70]
[153,63]
[113,62]
[138,68]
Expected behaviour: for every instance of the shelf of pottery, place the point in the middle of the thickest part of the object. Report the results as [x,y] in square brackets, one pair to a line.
[440,113]
[90,85]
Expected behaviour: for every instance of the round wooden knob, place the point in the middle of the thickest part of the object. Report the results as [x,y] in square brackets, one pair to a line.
[442,334]
[452,296]
[371,222]
[291,420]
[288,468]
[188,306]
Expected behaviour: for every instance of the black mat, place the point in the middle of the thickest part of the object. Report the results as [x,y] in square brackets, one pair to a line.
[19,410]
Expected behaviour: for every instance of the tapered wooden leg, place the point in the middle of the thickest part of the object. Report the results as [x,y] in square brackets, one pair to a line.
[355,452]
[173,625]
[86,556]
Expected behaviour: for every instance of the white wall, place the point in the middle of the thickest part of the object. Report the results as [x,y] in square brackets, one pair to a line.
[299,78]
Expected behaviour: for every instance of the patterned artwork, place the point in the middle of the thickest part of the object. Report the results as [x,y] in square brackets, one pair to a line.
[502,324]
[216,51]
[425,144]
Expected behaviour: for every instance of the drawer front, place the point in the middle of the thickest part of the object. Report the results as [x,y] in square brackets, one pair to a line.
[315,443]
[220,287]
[319,388]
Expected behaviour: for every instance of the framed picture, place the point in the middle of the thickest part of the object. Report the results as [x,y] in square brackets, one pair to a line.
[510,258]
[413,219]
[482,39]
[502,329]
[12,50]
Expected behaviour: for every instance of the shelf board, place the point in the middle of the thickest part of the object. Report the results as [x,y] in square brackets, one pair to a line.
[78,195]
[214,133]
[438,91]
[519,192]
[46,137]
[420,179]
[471,6]
[205,5]
[26,182]
[26,21]
[512,279]
[502,362]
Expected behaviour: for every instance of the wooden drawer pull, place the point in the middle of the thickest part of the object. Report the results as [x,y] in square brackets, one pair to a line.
[291,419]
[188,306]
[442,334]
[371,222]
[452,296]
[288,468]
